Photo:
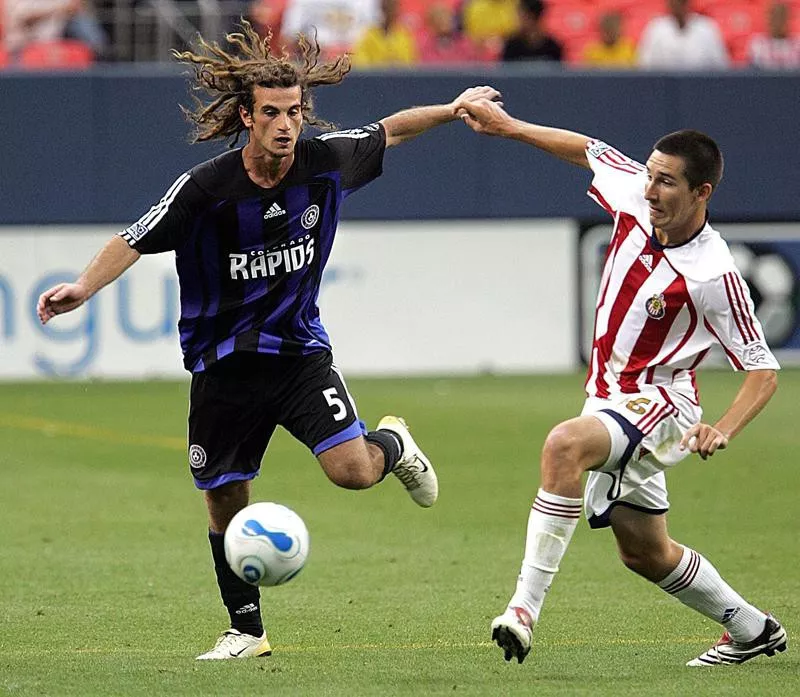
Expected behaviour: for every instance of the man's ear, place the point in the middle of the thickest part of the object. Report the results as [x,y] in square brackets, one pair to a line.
[246,117]
[704,191]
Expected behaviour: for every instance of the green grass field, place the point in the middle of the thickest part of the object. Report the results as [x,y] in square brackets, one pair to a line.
[107,587]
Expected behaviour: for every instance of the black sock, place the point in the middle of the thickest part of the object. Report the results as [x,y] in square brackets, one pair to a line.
[391,446]
[240,598]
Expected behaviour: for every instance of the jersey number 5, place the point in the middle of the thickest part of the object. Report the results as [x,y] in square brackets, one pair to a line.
[335,402]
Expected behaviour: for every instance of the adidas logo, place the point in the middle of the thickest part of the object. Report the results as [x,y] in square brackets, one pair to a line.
[250,607]
[729,614]
[273,211]
[646,259]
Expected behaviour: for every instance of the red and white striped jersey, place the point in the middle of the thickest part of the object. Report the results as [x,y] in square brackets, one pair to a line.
[660,309]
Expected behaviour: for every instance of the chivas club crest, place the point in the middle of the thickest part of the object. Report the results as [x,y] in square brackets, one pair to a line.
[656,306]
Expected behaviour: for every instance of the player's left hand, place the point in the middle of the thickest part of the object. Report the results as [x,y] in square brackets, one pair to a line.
[704,440]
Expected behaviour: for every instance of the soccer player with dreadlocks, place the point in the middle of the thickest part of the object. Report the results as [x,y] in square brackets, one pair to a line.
[252,230]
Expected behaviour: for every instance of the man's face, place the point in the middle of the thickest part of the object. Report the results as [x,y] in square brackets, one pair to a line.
[276,120]
[672,202]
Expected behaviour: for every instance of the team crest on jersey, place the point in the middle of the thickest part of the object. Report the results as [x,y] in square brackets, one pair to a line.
[310,217]
[656,306]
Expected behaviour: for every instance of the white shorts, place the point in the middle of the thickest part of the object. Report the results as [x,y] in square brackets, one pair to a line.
[646,430]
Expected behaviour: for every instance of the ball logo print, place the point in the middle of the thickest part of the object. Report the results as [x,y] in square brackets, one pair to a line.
[266,544]
[197,457]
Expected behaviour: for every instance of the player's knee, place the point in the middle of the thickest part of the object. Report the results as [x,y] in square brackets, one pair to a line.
[229,495]
[562,450]
[351,474]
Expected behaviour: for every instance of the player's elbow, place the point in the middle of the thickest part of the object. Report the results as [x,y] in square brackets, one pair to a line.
[767,383]
[771,382]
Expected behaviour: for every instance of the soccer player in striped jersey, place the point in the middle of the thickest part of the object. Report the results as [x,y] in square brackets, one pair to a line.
[252,230]
[669,291]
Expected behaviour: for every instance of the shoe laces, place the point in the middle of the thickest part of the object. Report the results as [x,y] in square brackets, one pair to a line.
[408,474]
[227,639]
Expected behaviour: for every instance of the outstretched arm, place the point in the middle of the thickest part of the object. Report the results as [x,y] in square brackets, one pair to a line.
[406,124]
[756,390]
[109,264]
[484,116]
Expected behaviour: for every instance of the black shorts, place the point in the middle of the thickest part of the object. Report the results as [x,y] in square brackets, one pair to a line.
[236,404]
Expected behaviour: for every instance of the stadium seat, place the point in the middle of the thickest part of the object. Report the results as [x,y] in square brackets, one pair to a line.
[635,18]
[568,20]
[738,21]
[65,54]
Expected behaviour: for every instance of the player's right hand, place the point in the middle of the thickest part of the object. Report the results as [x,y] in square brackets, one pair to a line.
[59,299]
[483,116]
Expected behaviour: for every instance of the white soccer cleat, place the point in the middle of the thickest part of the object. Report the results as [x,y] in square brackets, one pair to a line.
[413,469]
[727,652]
[234,644]
[513,631]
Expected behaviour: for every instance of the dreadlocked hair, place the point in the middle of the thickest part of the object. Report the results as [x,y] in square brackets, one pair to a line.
[229,77]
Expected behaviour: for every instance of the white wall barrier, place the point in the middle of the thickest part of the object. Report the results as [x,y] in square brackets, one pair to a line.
[397,298]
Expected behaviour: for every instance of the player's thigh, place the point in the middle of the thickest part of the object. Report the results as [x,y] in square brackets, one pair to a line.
[229,425]
[317,408]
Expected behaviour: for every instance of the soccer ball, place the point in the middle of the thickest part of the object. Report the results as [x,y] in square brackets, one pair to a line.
[266,544]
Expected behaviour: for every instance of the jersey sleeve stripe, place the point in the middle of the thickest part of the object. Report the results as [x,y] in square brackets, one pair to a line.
[735,303]
[747,316]
[157,212]
[733,359]
[344,134]
[617,160]
[597,196]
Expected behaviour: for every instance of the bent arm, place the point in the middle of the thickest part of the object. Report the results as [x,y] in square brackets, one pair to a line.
[756,390]
[109,264]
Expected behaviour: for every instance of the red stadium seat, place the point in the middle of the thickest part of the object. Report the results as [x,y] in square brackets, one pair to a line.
[65,54]
[738,20]
[635,18]
[567,20]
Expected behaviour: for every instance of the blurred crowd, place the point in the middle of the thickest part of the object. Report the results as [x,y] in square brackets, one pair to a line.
[598,34]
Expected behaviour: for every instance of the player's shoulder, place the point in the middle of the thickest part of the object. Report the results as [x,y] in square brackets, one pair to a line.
[603,155]
[704,259]
[220,176]
[329,150]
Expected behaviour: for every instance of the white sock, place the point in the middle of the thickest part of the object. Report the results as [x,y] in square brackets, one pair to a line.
[697,584]
[551,523]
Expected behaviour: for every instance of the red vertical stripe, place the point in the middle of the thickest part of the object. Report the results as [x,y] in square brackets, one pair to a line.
[654,334]
[636,275]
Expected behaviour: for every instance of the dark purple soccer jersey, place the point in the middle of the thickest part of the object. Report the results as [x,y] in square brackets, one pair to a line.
[249,259]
